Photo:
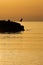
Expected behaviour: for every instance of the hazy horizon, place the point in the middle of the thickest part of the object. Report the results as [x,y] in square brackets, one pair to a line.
[29,10]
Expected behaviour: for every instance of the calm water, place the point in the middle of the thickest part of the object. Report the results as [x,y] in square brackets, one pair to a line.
[25,48]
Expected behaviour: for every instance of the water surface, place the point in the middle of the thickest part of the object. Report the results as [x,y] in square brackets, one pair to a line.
[25,48]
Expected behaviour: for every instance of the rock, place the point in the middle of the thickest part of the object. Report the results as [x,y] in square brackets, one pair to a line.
[10,27]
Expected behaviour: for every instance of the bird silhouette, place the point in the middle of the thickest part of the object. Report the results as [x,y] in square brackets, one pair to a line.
[21,19]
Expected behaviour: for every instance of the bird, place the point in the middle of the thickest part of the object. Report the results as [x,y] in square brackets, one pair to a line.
[21,19]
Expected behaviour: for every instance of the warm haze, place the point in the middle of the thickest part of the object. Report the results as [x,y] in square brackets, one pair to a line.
[15,9]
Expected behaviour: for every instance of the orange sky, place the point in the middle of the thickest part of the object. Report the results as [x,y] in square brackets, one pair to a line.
[15,9]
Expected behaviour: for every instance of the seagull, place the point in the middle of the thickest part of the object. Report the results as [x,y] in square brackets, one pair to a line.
[21,19]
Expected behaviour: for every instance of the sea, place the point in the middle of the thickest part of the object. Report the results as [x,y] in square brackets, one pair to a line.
[23,48]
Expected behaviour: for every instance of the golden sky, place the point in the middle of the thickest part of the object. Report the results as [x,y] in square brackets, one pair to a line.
[15,9]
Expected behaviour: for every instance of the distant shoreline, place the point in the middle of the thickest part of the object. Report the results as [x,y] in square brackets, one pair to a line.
[29,21]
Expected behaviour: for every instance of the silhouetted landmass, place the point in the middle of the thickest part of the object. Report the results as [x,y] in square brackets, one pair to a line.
[10,27]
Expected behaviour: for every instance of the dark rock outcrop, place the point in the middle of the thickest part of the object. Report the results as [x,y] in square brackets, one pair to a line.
[10,27]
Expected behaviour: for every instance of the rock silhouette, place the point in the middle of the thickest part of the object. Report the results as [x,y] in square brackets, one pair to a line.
[10,27]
